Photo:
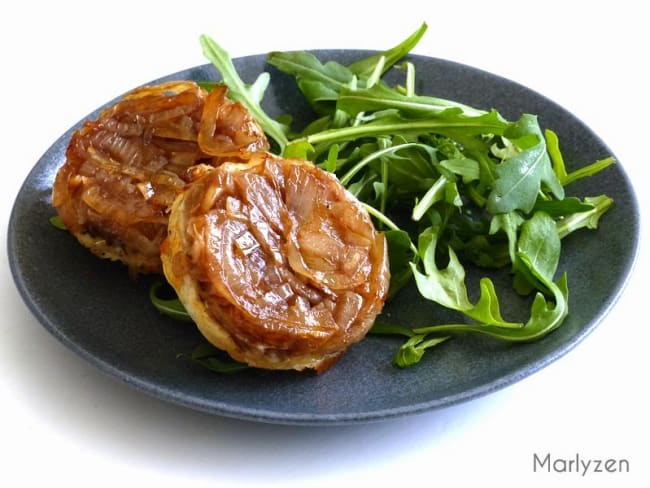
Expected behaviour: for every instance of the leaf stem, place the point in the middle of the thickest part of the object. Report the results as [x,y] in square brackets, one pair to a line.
[387,222]
[347,177]
[584,219]
[589,170]
[399,128]
[432,195]
[376,73]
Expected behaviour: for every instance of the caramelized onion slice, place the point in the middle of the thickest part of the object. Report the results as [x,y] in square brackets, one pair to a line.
[124,170]
[276,262]
[227,128]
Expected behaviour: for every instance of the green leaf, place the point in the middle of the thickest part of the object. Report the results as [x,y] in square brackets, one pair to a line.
[306,66]
[520,177]
[248,95]
[589,170]
[321,97]
[214,359]
[300,149]
[320,83]
[434,194]
[482,250]
[452,195]
[509,223]
[447,286]
[381,97]
[56,222]
[553,144]
[562,208]
[466,168]
[360,187]
[332,158]
[545,317]
[318,125]
[168,306]
[449,122]
[410,169]
[400,254]
[412,350]
[588,219]
[540,243]
[366,66]
[376,155]
[487,309]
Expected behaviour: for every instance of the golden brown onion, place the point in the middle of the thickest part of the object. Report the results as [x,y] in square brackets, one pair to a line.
[276,262]
[124,170]
[227,129]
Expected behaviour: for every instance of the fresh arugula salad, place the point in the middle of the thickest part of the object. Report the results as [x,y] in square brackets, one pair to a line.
[449,184]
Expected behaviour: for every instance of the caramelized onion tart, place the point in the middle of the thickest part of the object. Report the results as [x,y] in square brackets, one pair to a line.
[276,262]
[124,170]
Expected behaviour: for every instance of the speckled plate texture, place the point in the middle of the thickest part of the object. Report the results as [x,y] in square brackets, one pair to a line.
[93,307]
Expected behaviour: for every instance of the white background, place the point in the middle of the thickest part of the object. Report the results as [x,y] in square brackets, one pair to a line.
[62,421]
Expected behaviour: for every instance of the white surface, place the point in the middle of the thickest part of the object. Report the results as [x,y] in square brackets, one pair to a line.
[62,421]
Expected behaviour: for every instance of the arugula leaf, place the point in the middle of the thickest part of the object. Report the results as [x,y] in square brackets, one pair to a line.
[553,144]
[450,122]
[304,66]
[561,208]
[587,219]
[56,221]
[168,306]
[400,253]
[520,177]
[539,260]
[413,349]
[248,95]
[509,223]
[540,243]
[205,354]
[366,66]
[381,97]
[299,150]
[214,359]
[434,194]
[320,83]
[447,286]
[466,168]
[545,317]
[352,172]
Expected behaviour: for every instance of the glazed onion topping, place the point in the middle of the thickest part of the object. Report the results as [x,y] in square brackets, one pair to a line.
[124,170]
[277,263]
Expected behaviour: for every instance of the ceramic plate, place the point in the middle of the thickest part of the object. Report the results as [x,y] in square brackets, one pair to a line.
[93,307]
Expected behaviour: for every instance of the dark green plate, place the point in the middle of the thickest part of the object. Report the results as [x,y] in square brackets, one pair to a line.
[93,307]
